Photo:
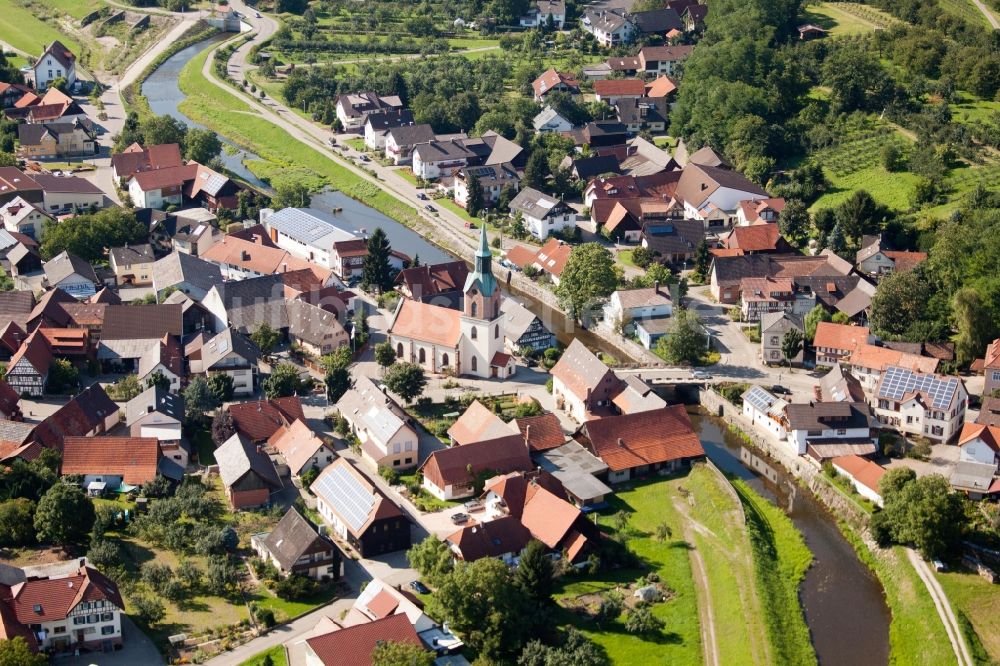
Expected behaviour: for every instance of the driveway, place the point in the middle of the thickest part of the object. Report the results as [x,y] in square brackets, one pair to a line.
[137,649]
[942,461]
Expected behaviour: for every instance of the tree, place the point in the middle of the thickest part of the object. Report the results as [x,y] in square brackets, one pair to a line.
[87,235]
[576,650]
[589,275]
[64,516]
[265,338]
[384,354]
[158,380]
[685,340]
[900,301]
[291,194]
[860,214]
[920,511]
[813,318]
[702,259]
[202,145]
[220,576]
[16,652]
[432,558]
[857,81]
[221,387]
[474,201]
[407,380]
[640,620]
[377,272]
[198,400]
[283,382]
[162,129]
[338,382]
[973,317]
[17,527]
[222,426]
[148,610]
[63,376]
[791,344]
[535,572]
[536,170]
[391,653]
[793,221]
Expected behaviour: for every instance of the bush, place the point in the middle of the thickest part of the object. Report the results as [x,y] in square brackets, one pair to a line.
[390,475]
[295,587]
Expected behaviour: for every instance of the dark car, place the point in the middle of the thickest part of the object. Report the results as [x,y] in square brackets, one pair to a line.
[783,390]
[419,587]
[460,518]
[422,196]
[430,208]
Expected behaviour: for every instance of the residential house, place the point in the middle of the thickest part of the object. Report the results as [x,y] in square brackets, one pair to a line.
[15,183]
[541,433]
[162,187]
[69,194]
[773,328]
[765,411]
[477,424]
[136,158]
[440,284]
[503,538]
[642,114]
[444,156]
[194,231]
[827,430]
[240,258]
[126,332]
[550,120]
[62,607]
[876,260]
[115,464]
[28,370]
[451,473]
[676,241]
[634,445]
[17,442]
[9,399]
[166,358]
[56,62]
[211,189]
[726,273]
[610,27]
[626,306]
[400,142]
[582,385]
[979,453]
[310,234]
[839,385]
[522,329]
[156,412]
[232,354]
[22,217]
[359,512]
[353,108]
[653,61]
[387,436]
[260,419]
[836,342]
[379,600]
[71,274]
[759,211]
[579,471]
[548,14]
[922,404]
[133,264]
[765,295]
[868,363]
[661,86]
[762,237]
[600,134]
[10,93]
[247,473]
[295,547]
[492,181]
[354,645]
[301,449]
[585,168]
[378,124]
[88,414]
[863,474]
[541,214]
[657,22]
[613,90]
[186,273]
[991,368]
[551,80]
[713,194]
[694,17]
[62,140]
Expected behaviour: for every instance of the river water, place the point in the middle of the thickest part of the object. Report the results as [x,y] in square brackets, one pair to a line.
[843,601]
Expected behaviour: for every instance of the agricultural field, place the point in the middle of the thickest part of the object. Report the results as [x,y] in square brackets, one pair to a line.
[831,17]
[29,26]
[975,601]
[965,10]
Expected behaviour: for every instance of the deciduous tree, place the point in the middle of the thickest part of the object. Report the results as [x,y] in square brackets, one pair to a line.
[791,344]
[283,381]
[265,338]
[391,653]
[685,340]
[900,301]
[202,145]
[64,516]
[384,354]
[198,400]
[407,380]
[813,318]
[589,276]
[432,558]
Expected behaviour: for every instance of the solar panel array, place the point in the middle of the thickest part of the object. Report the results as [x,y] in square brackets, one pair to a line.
[760,399]
[347,495]
[897,382]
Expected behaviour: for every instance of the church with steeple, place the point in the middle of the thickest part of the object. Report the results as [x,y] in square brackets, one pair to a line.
[466,342]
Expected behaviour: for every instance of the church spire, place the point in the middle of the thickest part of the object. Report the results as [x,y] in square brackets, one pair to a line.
[482,276]
[483,254]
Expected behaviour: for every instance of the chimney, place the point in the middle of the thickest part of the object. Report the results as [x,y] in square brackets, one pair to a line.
[258,239]
[621,442]
[656,287]
[527,437]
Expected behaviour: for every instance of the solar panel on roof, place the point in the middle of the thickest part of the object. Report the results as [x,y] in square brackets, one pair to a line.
[898,382]
[347,496]
[759,398]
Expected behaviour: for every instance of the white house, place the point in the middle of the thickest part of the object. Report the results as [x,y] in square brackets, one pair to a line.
[67,194]
[306,233]
[232,354]
[610,27]
[713,194]
[979,443]
[631,305]
[378,124]
[550,120]
[773,327]
[492,181]
[541,214]
[25,218]
[434,159]
[156,412]
[386,436]
[400,141]
[545,13]
[56,61]
[765,411]
[927,405]
[820,424]
[353,108]
[71,274]
[863,474]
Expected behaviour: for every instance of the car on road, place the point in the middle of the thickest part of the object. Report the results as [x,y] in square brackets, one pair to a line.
[422,196]
[460,518]
[430,208]
[781,390]
[472,506]
[256,14]
[419,587]
[698,374]
[365,158]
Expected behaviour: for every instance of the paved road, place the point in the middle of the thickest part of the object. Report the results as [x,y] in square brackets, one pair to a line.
[943,608]
[987,13]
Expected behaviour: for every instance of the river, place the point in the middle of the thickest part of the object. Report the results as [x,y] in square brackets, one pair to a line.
[844,605]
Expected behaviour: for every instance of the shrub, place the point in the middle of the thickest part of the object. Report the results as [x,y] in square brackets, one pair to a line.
[294,587]
[390,475]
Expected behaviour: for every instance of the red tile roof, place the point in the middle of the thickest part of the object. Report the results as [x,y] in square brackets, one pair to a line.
[552,256]
[863,471]
[880,358]
[166,177]
[478,424]
[56,597]
[134,458]
[989,434]
[427,323]
[353,646]
[521,256]
[839,336]
[905,261]
[497,537]
[447,467]
[543,432]
[551,79]
[754,238]
[260,419]
[992,359]
[618,87]
[78,417]
[643,438]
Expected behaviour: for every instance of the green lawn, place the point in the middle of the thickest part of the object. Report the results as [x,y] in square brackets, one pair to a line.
[406,173]
[356,144]
[625,258]
[456,209]
[277,655]
[969,109]
[205,447]
[23,27]
[978,600]
[781,559]
[964,9]
[829,16]
[916,634]
[458,43]
[895,190]
[283,156]
[286,610]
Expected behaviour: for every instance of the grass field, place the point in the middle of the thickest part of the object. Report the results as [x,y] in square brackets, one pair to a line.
[23,28]
[286,610]
[979,601]
[916,635]
[970,109]
[277,655]
[458,43]
[964,9]
[836,21]
[204,446]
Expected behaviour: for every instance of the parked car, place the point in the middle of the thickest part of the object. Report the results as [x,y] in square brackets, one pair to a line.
[781,390]
[698,374]
[430,208]
[460,518]
[938,565]
[422,196]
[256,14]
[472,506]
[365,158]
[419,587]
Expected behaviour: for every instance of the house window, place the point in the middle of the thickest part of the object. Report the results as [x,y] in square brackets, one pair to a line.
[474,310]
[61,629]
[474,363]
[841,432]
[399,350]
[473,334]
[107,630]
[421,356]
[444,359]
[496,332]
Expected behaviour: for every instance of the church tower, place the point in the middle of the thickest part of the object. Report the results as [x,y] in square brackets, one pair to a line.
[481,320]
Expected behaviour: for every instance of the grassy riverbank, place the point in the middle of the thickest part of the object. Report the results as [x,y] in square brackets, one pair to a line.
[283,157]
[916,635]
[781,559]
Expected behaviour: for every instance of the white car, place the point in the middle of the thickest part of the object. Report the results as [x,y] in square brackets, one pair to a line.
[698,374]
